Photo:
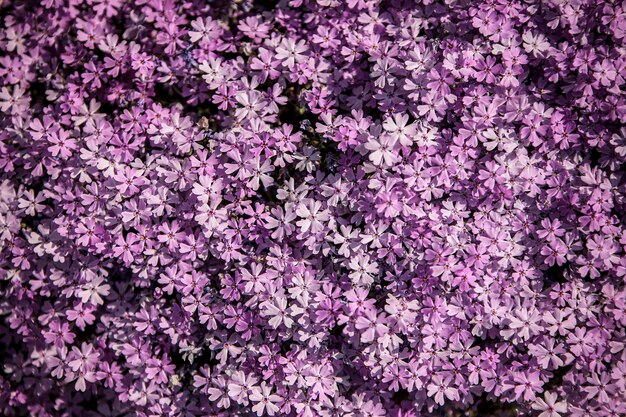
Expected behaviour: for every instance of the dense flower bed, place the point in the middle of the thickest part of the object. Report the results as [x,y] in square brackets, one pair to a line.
[312,208]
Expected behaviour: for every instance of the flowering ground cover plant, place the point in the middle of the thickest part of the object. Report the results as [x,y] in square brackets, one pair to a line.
[307,208]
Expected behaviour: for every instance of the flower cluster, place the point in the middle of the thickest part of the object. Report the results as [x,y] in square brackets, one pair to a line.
[355,208]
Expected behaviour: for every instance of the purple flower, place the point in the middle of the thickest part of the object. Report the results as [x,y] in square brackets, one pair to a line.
[312,208]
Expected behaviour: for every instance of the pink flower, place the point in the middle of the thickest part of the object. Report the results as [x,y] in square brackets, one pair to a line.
[127,247]
[372,325]
[440,389]
[398,127]
[62,144]
[110,373]
[159,369]
[549,407]
[94,291]
[59,334]
[526,385]
[290,52]
[277,310]
[81,315]
[312,216]
[265,401]
[129,181]
[382,150]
